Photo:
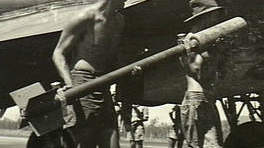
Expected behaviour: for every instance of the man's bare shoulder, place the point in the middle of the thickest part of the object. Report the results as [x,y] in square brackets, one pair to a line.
[85,15]
[93,11]
[84,18]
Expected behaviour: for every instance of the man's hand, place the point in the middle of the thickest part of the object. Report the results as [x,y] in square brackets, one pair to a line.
[60,95]
[137,71]
[189,42]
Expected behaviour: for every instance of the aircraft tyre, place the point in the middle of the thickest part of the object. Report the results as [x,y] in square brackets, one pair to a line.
[246,135]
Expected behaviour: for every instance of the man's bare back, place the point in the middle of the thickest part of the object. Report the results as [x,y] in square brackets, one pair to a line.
[102,44]
[87,49]
[90,40]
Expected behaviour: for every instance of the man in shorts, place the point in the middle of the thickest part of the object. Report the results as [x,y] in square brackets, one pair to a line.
[175,136]
[87,49]
[139,115]
[200,119]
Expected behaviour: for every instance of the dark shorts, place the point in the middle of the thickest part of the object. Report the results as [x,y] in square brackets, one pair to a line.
[94,109]
[91,120]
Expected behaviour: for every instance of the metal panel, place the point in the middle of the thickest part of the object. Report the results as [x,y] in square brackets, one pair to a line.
[23,95]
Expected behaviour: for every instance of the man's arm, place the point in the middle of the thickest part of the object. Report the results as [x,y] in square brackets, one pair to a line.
[171,116]
[59,57]
[69,40]
[145,114]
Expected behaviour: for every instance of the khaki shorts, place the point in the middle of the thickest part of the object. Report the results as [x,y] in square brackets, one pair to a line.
[136,134]
[200,121]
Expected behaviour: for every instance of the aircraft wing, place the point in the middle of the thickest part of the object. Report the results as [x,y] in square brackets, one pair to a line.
[42,18]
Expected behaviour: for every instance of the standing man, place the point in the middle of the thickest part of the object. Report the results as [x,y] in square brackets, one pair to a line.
[119,117]
[199,115]
[86,50]
[175,136]
[140,114]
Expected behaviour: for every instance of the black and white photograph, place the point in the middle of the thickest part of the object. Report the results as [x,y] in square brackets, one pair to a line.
[131,74]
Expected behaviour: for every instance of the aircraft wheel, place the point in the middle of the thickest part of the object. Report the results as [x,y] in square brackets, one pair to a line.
[247,135]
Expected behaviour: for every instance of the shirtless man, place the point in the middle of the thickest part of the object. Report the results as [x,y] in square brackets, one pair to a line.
[199,115]
[85,51]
